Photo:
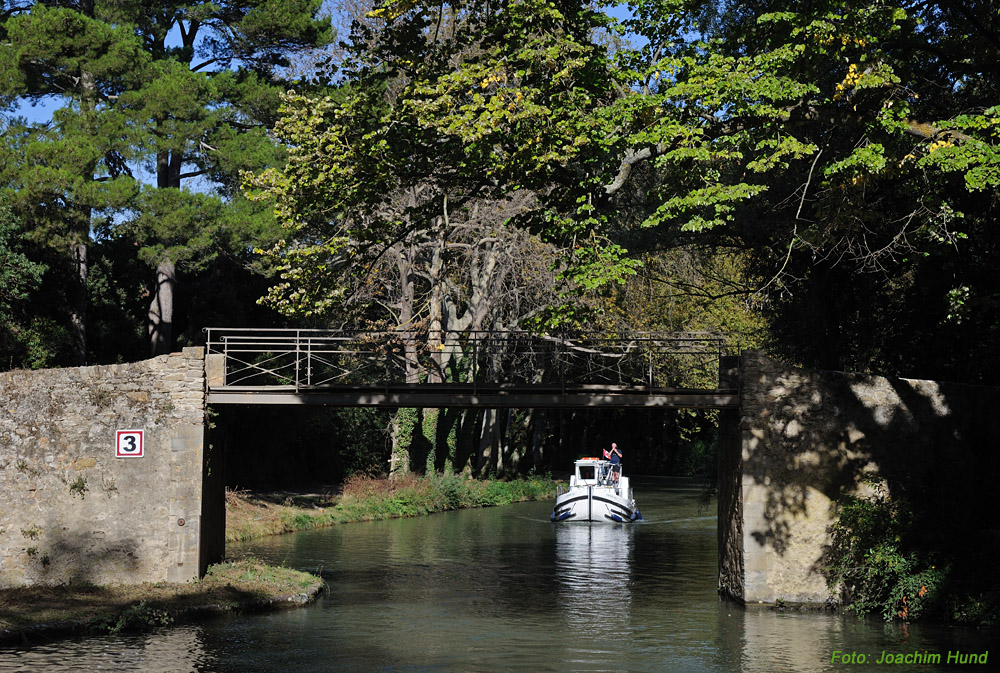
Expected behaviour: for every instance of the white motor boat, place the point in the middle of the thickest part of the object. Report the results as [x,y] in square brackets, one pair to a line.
[598,491]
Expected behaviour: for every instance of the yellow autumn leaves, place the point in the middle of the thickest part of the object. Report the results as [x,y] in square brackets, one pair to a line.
[849,81]
[392,10]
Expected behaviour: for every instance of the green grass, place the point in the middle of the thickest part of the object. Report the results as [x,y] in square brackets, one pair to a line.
[249,516]
[73,609]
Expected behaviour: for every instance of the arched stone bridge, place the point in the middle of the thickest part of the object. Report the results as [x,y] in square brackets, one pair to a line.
[78,504]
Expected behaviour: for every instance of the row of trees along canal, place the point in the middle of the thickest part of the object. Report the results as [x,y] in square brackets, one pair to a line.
[819,180]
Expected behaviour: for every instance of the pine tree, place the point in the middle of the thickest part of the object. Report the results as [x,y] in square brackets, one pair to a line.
[174,90]
[65,172]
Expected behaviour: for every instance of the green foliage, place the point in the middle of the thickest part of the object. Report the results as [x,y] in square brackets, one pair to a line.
[428,436]
[365,498]
[20,277]
[696,458]
[79,487]
[41,343]
[138,617]
[65,171]
[982,610]
[497,102]
[130,103]
[18,274]
[870,561]
[867,134]
[833,149]
[302,521]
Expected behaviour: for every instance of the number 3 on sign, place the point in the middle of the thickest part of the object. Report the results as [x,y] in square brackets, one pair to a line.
[128,443]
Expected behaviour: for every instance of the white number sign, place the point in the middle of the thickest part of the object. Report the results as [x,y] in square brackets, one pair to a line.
[129,444]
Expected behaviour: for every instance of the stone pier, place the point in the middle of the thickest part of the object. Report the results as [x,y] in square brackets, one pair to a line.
[71,510]
[805,438]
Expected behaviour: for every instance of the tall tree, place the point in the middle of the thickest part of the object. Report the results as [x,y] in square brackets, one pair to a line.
[447,105]
[174,90]
[64,172]
[206,106]
[435,188]
[850,147]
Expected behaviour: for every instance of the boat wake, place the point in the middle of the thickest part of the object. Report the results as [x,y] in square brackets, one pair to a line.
[654,522]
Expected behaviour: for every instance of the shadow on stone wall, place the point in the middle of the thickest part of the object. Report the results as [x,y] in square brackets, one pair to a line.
[82,558]
[813,437]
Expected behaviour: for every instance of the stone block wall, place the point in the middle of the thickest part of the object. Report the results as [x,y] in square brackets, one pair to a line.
[809,437]
[73,512]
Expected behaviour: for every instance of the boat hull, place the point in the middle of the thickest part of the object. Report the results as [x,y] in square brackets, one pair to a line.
[595,503]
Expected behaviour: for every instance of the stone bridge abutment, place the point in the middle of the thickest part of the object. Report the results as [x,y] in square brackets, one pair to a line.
[803,439]
[73,512]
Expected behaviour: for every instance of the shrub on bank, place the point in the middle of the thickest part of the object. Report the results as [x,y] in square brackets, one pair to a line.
[882,565]
[368,498]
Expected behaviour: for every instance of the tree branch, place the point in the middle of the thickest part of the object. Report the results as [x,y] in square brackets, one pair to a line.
[810,113]
[204,63]
[632,157]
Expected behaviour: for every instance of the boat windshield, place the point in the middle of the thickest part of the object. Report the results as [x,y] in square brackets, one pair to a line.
[593,471]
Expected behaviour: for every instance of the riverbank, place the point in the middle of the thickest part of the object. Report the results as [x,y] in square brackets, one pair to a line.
[247,585]
[251,515]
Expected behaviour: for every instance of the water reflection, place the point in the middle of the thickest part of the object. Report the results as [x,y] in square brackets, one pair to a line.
[174,650]
[776,641]
[764,640]
[593,566]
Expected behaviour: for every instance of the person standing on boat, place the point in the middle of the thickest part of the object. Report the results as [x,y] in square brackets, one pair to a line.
[616,461]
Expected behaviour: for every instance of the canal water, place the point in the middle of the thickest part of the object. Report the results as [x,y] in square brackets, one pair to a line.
[503,589]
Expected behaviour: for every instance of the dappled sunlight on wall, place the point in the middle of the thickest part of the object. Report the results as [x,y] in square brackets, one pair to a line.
[811,437]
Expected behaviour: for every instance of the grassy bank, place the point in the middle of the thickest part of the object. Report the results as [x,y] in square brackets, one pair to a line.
[247,584]
[250,515]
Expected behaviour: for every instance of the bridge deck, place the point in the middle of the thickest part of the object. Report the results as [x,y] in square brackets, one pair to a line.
[469,395]
[472,369]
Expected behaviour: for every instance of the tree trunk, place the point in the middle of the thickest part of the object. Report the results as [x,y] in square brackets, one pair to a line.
[485,442]
[513,450]
[399,461]
[407,295]
[78,303]
[399,458]
[78,309]
[161,310]
[505,461]
[537,437]
[435,336]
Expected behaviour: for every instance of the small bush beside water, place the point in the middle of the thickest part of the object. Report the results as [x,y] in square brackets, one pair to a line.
[882,565]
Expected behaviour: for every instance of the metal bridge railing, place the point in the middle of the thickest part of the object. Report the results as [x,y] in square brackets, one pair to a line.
[305,359]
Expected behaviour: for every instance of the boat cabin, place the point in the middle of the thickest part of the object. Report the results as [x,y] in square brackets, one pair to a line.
[594,472]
